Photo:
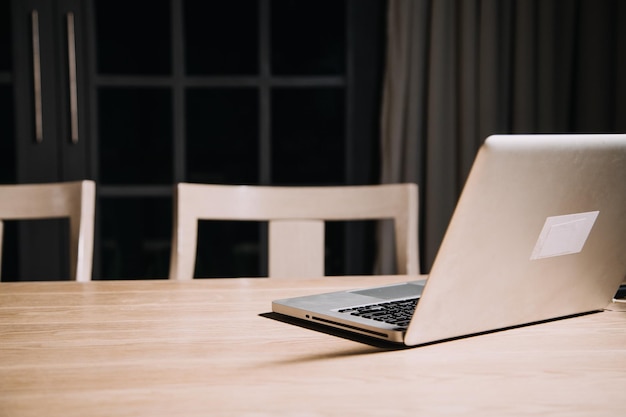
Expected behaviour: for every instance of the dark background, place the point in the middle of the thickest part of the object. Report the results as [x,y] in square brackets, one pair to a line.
[239,92]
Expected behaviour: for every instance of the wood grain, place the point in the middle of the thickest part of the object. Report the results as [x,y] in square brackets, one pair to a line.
[204,348]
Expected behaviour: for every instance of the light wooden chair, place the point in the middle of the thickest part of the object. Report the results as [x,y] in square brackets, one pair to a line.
[75,200]
[296,218]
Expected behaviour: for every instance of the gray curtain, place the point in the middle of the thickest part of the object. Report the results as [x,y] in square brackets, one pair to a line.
[460,70]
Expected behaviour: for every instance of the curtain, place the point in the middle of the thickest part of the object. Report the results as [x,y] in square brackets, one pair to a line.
[457,71]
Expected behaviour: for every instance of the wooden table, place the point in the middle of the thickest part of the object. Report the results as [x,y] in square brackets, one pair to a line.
[207,348]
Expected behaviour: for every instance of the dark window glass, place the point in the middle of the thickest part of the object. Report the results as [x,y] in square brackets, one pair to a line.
[222,135]
[221,37]
[334,248]
[308,38]
[7,143]
[135,136]
[5,36]
[10,265]
[133,37]
[44,240]
[308,136]
[135,237]
[228,249]
[350,256]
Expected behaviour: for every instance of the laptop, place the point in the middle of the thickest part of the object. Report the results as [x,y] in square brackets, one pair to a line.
[538,233]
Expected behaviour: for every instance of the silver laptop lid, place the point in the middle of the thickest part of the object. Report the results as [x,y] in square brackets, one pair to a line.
[538,233]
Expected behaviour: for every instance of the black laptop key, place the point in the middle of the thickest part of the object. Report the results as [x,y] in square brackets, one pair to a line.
[398,312]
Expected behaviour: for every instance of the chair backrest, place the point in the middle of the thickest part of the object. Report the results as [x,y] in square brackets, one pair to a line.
[296,217]
[73,200]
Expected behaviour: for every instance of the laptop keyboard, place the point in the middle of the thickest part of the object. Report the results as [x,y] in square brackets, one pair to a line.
[397,313]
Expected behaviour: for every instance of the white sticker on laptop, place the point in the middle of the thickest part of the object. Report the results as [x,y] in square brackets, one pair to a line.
[564,235]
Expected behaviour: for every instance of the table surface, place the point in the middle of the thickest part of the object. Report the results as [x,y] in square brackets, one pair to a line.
[209,347]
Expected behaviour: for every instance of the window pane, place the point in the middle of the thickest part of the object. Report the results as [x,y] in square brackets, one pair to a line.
[47,242]
[334,247]
[135,136]
[228,249]
[5,36]
[7,143]
[133,37]
[221,37]
[308,38]
[135,237]
[308,136]
[10,253]
[222,136]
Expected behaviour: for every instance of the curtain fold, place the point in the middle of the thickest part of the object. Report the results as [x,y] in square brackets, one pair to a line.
[457,71]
